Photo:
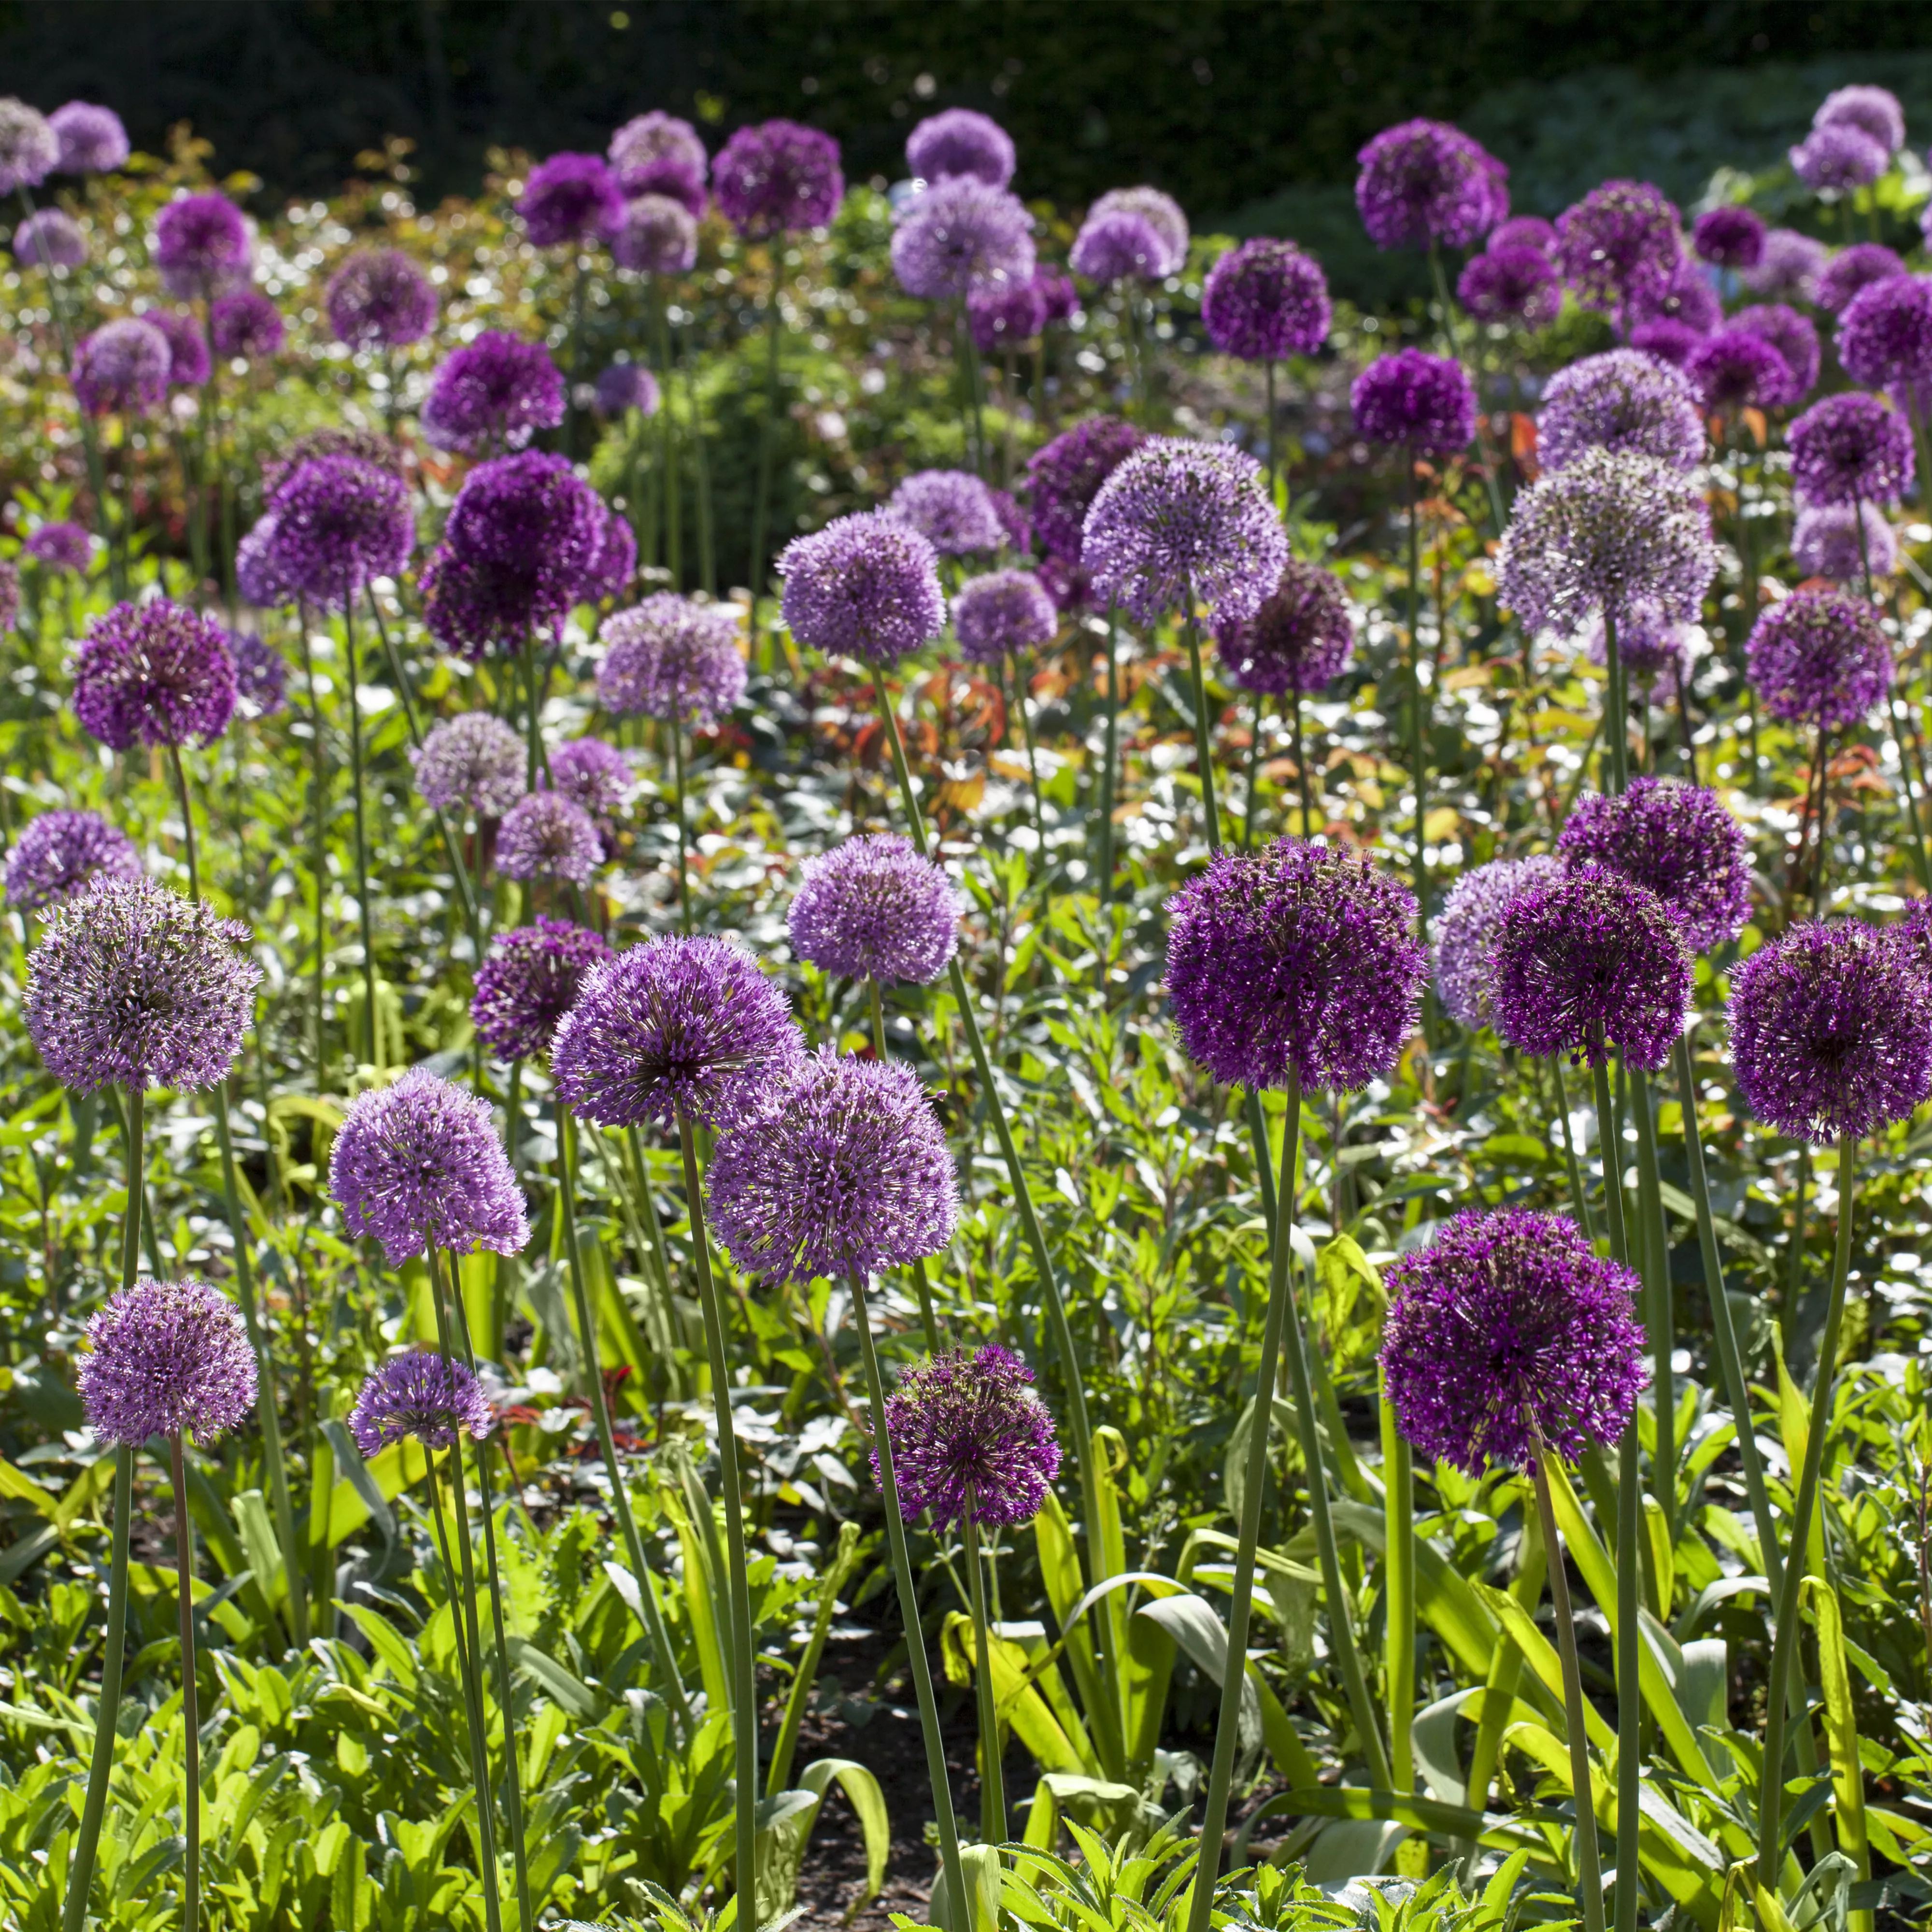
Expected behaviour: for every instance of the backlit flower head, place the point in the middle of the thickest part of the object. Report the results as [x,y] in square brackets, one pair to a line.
[1422,401]
[970,1438]
[1667,340]
[864,585]
[1161,212]
[1885,333]
[1651,647]
[1623,401]
[59,854]
[1790,267]
[201,246]
[164,1357]
[1425,182]
[492,394]
[245,323]
[1265,300]
[121,368]
[1299,641]
[1004,610]
[1465,960]
[472,763]
[1119,247]
[776,178]
[1837,157]
[670,657]
[956,142]
[1819,659]
[154,674]
[873,909]
[613,562]
[379,296]
[1830,540]
[528,981]
[548,835]
[29,147]
[627,385]
[570,198]
[1730,237]
[596,776]
[1518,284]
[1851,448]
[367,446]
[1686,297]
[655,235]
[1733,369]
[1065,475]
[1853,269]
[960,234]
[423,1397]
[1524,231]
[657,153]
[1619,245]
[340,522]
[50,237]
[1795,336]
[92,140]
[1874,111]
[62,546]
[1680,841]
[951,508]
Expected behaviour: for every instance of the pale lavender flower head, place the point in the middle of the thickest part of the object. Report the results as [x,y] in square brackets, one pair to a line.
[1885,334]
[1851,448]
[873,909]
[1650,646]
[655,235]
[1003,318]
[1680,841]
[957,141]
[1819,659]
[50,237]
[970,1439]
[245,323]
[1623,401]
[1795,336]
[1853,269]
[1004,610]
[1512,284]
[1465,959]
[613,563]
[1838,156]
[189,364]
[201,246]
[659,153]
[1667,340]
[1730,237]
[1161,212]
[59,854]
[164,1357]
[1424,183]
[432,1398]
[548,834]
[627,385]
[776,178]
[494,394]
[1619,245]
[595,775]
[1874,110]
[951,508]
[62,546]
[1299,641]
[472,763]
[1733,369]
[671,658]
[419,1164]
[121,368]
[379,297]
[1066,475]
[131,985]
[1264,300]
[1789,266]
[1524,231]
[528,981]
[1827,542]
[1508,1335]
[1116,247]
[29,147]
[1688,297]
[154,674]
[959,235]
[569,199]
[340,524]
[1421,401]
[92,140]
[261,673]
[864,585]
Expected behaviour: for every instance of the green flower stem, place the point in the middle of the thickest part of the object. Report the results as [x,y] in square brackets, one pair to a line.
[1399,1607]
[1032,755]
[676,728]
[190,1699]
[761,495]
[1203,757]
[992,1781]
[1110,759]
[935,1333]
[1418,726]
[363,912]
[1579,1200]
[1656,1249]
[1616,706]
[1300,765]
[318,863]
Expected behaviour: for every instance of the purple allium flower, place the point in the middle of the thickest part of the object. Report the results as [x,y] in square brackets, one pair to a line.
[1885,334]
[1057,290]
[1795,336]
[959,235]
[1856,268]
[1623,401]
[1851,447]
[1266,300]
[529,980]
[659,153]
[970,1438]
[1004,610]
[1295,955]
[1421,401]
[1181,522]
[256,574]
[29,147]
[1117,247]
[201,246]
[1511,285]
[1299,641]
[1465,960]
[669,657]
[676,1027]
[1003,317]
[1424,182]
[369,445]
[1508,1333]
[1066,475]
[951,508]
[1734,369]
[189,364]
[1680,841]
[614,563]
[569,198]
[154,674]
[132,985]
[10,594]
[873,909]
[1819,659]
[494,394]
[1667,340]
[627,385]
[546,834]
[1731,237]
[340,524]
[261,673]
[1686,297]
[379,296]
[844,1170]
[1838,156]
[1588,962]
[50,237]
[1876,110]
[62,546]
[1826,543]
[433,1398]
[655,235]
[956,142]
[1161,212]
[59,852]
[472,763]
[121,368]
[776,178]
[92,140]
[1649,645]
[864,585]
[1524,231]
[245,323]
[1789,266]
[1619,245]
[164,1357]
[1830,1039]
[597,775]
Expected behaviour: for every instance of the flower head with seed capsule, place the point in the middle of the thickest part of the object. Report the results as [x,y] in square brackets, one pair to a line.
[1004,610]
[1465,960]
[379,297]
[873,909]
[957,142]
[1117,247]
[1264,300]
[1300,639]
[154,674]
[1424,183]
[473,763]
[1622,400]
[1677,839]
[529,980]
[1819,659]
[201,246]
[670,657]
[970,1439]
[1421,401]
[864,585]
[777,178]
[423,1397]
[960,235]
[59,854]
[493,394]
[164,1357]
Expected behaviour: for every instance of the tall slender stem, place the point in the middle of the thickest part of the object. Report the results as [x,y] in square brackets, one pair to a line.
[1268,388]
[1111,760]
[1418,722]
[1616,706]
[1033,757]
[317,842]
[754,570]
[1301,763]
[1656,1249]
[1203,749]
[935,1335]
[191,1699]
[675,727]
[992,1780]
[1399,1608]
[363,911]
[1579,1200]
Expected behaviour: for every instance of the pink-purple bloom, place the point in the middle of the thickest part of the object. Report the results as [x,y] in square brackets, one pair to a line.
[953,509]
[1423,403]
[1819,659]
[1650,646]
[1853,269]
[864,585]
[1734,369]
[424,1396]
[1299,641]
[1729,237]
[50,237]
[1829,541]
[570,198]
[1464,957]
[340,522]
[60,546]
[1264,300]
[201,246]
[530,979]
[59,854]
[1004,610]
[1885,334]
[970,1440]
[872,908]
[1619,245]
[612,563]
[670,657]
[596,774]
[379,297]
[1666,339]
[261,673]
[1424,183]
[1874,111]
[153,673]
[1621,400]
[1688,297]
[166,1357]
[1066,475]
[493,395]
[659,153]
[1513,284]
[472,763]
[1003,318]
[1680,841]
[245,322]
[655,235]
[1789,266]
[1837,156]
[29,147]
[956,142]
[1119,247]
[121,368]
[1161,212]
[189,364]
[960,235]
[776,178]
[1851,448]
[1795,336]
[627,385]
[1524,231]
[546,834]
[92,140]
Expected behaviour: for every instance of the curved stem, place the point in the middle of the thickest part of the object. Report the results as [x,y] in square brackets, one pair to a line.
[992,1781]
[190,1699]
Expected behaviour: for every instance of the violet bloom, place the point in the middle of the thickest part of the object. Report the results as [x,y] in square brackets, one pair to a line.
[1465,960]
[659,153]
[1733,369]
[189,364]
[570,198]
[864,585]
[429,1398]
[1874,110]
[1524,231]
[1853,269]
[1299,641]
[613,563]
[121,368]
[1422,402]
[92,140]
[1619,245]
[675,1028]
[957,141]
[1623,401]
[548,835]
[166,1357]
[131,985]
[1794,337]
[1789,266]
[1004,610]
[50,237]
[654,235]
[1667,341]
[154,674]
[1680,841]
[1003,318]
[873,909]
[671,658]
[245,323]
[1832,159]
[1065,475]
[1508,1337]
[261,673]
[776,178]
[1731,237]
[1829,541]
[256,575]
[1424,183]
[1161,212]
[970,1440]
[1650,646]
[29,147]
[594,775]
[1057,290]
[1511,285]
[1686,297]
[473,763]
[1831,1039]
[9,595]
[1117,247]
[340,524]
[419,1164]
[59,854]
[201,246]
[368,445]
[627,385]
[495,394]
[1819,659]
[951,508]
[528,981]
[1885,334]
[959,235]
[60,546]
[378,298]
[1851,448]
[1296,956]
[1264,300]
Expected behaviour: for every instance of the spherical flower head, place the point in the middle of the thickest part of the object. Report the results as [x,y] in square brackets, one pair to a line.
[1295,956]
[495,393]
[1424,182]
[59,853]
[378,298]
[369,445]
[568,198]
[1266,300]
[675,1028]
[1795,336]
[121,368]
[1874,110]
[29,147]
[133,986]
[1731,237]
[627,385]
[1789,268]
[154,674]
[970,1440]
[844,1170]
[1004,610]
[613,563]
[261,673]
[1003,318]
[671,658]
[50,239]
[1834,540]
[548,835]
[655,235]
[657,153]
[1300,639]
[1057,290]
[777,178]
[164,1357]
[1524,231]
[246,323]
[432,1398]
[1688,297]
[1623,401]
[873,909]
[1589,961]
[340,524]
[528,980]
[419,1164]
[1465,962]
[1885,334]
[1619,244]
[62,546]
[92,140]
[1119,247]
[595,775]
[951,508]
[864,585]
[1508,1337]
[1733,369]
[472,763]
[257,575]
[957,141]
[1666,339]
[1853,269]
[1016,525]
[201,246]
[1830,1039]
[1161,212]
[1516,284]
[1065,475]
[1650,646]
[189,364]
[1819,659]
[1422,401]
[1851,448]
[1832,159]
[959,235]
[1680,841]
[1181,522]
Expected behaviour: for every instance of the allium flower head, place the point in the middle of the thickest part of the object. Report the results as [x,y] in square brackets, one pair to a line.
[951,508]
[1065,475]
[10,594]
[1827,541]
[59,854]
[92,140]
[1422,401]
[367,446]
[133,986]
[1508,1332]
[1161,212]
[201,246]
[1680,841]
[613,562]
[189,364]
[844,1170]
[1853,269]
[1619,244]
[432,1399]
[1524,231]
[1795,336]
[472,763]
[956,142]
[1873,110]
[1057,290]
[1733,369]
[1730,237]
[864,585]
[121,368]
[493,395]
[261,673]
[659,153]
[1117,248]
[1004,317]
[1688,297]
[528,980]
[1424,182]
[669,657]
[245,323]
[958,236]
[1837,157]
[1299,641]
[1004,610]
[154,674]
[1650,646]
[655,235]
[970,1438]
[29,147]
[62,546]
[569,198]
[1518,284]
[1622,400]
[51,238]
[379,296]
[340,524]
[873,909]
[1819,659]
[1789,268]
[1266,300]
[596,776]
[1885,334]
[627,385]
[256,577]
[1667,340]
[1464,961]
[165,1356]
[1851,448]
[1295,955]
[548,835]
[776,178]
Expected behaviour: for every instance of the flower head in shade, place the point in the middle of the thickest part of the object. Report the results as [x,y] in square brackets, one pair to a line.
[50,237]
[528,980]
[62,546]
[340,524]
[1733,369]
[1002,318]
[1730,237]
[495,393]
[189,363]
[1519,284]
[659,153]
[1623,401]
[1680,841]
[1524,231]
[669,657]
[1466,933]
[1300,639]
[1161,212]
[655,235]
[10,594]
[1650,646]
[951,508]
[1789,266]
[432,1398]
[121,368]
[1004,610]
[1666,339]
[59,852]
[1422,401]
[595,775]
[1827,541]
[131,985]
[1265,300]
[29,147]
[1819,659]
[873,909]
[379,296]
[1830,1039]
[245,322]
[1508,1334]
[1057,291]
[154,674]
[546,834]
[1065,475]
[201,246]
[569,198]
[844,1170]
[1294,956]
[1853,269]
[419,1164]
[1688,297]
[627,385]
[472,763]
[1885,334]
[776,178]
[1424,182]
[676,1027]
[1794,336]
[957,142]
[959,235]
[1873,110]
[1851,447]
[92,140]
[613,563]
[1619,245]
[1588,961]
[165,1356]
[261,673]
[1833,158]
[970,1439]
[864,585]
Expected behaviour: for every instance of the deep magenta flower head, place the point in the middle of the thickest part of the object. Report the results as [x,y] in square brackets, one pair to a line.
[959,235]
[570,198]
[1161,212]
[1422,401]
[245,323]
[164,1357]
[29,147]
[154,674]
[1003,318]
[59,854]
[1623,400]
[261,673]
[1519,284]
[1117,248]
[970,1439]
[1296,956]
[1465,960]
[864,585]
[1057,290]
[842,1170]
[1795,336]
[1065,475]
[957,141]
[672,658]
[656,235]
[189,363]
[1885,334]
[596,776]
[1619,245]
[201,246]
[676,1027]
[340,522]
[380,298]
[1589,961]
[1819,659]
[1833,158]
[1264,300]
[121,368]
[92,140]
[1650,646]
[951,508]
[1873,110]
[133,986]
[1831,1032]
[368,445]
[1733,369]
[432,1398]
[1680,841]
[1424,183]
[1180,523]
[1004,610]
[873,909]
[493,395]
[1851,448]
[1853,269]
[1524,231]
[548,835]
[62,546]
[1789,268]
[528,981]
[50,237]
[472,763]
[1688,297]
[1667,340]
[1508,1335]
[1299,641]
[776,178]
[419,1164]
[613,562]
[627,385]
[1731,237]
[1830,540]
